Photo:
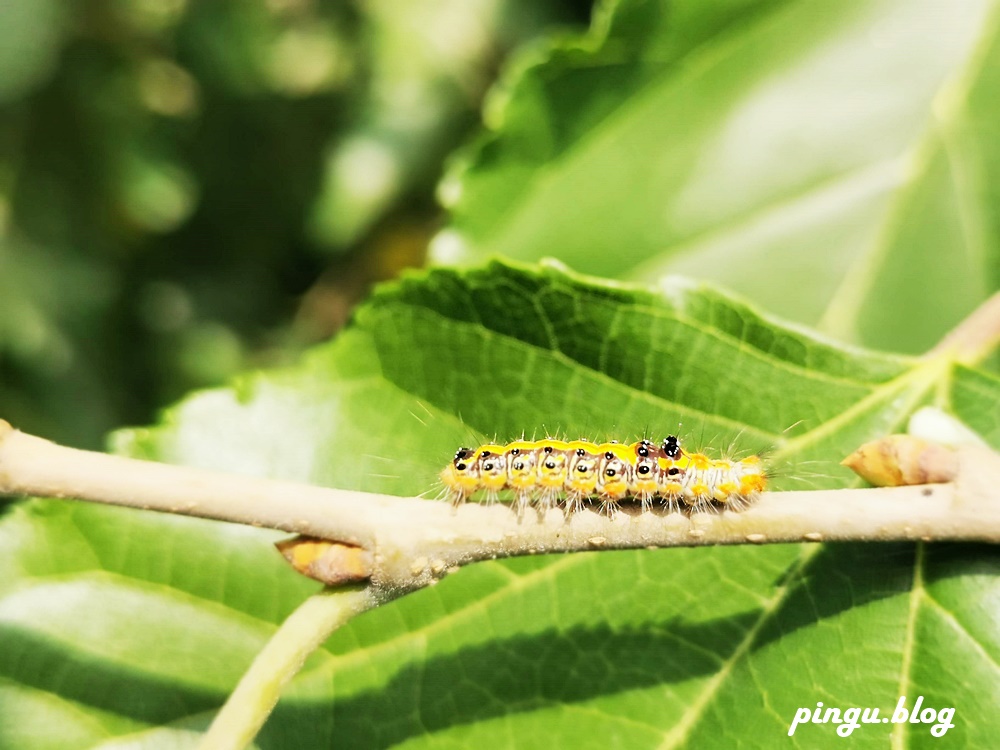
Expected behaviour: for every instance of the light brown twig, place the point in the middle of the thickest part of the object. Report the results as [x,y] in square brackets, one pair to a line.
[415,541]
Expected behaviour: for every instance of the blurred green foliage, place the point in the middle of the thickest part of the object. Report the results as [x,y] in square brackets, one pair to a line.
[175,176]
[836,161]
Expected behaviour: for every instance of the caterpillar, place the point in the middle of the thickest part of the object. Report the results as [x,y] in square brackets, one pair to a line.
[550,471]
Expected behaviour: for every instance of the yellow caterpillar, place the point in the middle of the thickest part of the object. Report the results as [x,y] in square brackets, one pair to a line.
[547,472]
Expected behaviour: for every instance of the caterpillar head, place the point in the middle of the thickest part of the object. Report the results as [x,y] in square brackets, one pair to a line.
[671,447]
[461,476]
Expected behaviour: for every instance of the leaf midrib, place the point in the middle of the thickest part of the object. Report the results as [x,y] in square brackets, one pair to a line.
[845,303]
[680,732]
[925,378]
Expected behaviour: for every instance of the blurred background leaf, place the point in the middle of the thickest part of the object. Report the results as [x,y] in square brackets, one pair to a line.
[837,161]
[189,189]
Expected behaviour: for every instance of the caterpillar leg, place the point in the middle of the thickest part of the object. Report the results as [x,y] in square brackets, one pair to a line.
[609,506]
[737,502]
[670,502]
[646,500]
[573,504]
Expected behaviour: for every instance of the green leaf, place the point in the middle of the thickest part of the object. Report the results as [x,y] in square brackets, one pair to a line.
[835,161]
[30,38]
[122,627]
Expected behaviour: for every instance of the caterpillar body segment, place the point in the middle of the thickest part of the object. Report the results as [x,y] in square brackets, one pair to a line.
[550,472]
[645,485]
[492,470]
[582,473]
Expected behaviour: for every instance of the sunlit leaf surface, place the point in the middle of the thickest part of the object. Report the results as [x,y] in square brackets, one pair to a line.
[126,629]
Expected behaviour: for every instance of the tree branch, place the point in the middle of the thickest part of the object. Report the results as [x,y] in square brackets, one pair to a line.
[414,541]
[975,337]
